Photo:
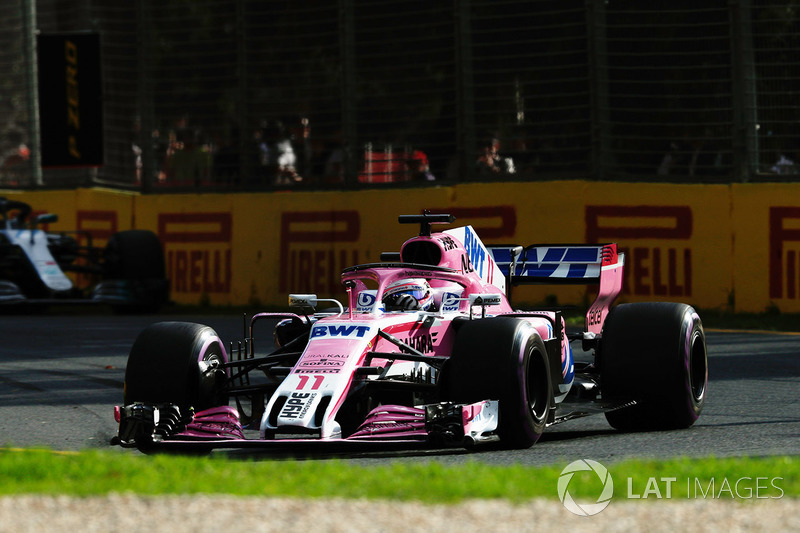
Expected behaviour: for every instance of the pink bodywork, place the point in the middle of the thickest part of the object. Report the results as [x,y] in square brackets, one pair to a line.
[339,345]
[611,270]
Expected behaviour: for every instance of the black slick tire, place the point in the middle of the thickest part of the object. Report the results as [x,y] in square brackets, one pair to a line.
[137,258]
[177,363]
[503,359]
[654,354]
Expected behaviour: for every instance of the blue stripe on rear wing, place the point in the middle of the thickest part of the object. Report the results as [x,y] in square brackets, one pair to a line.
[569,263]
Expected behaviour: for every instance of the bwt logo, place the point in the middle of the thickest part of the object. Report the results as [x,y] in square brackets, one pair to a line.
[311,255]
[653,270]
[784,228]
[451,301]
[490,222]
[339,331]
[198,251]
[476,253]
[366,299]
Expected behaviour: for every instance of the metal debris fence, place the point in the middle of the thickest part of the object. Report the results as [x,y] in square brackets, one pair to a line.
[263,94]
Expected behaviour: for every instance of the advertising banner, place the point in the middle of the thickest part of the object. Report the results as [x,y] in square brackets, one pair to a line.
[712,246]
[70,99]
[766,227]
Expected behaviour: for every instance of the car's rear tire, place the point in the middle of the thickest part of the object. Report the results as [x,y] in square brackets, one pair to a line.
[136,259]
[134,254]
[655,355]
[177,363]
[503,359]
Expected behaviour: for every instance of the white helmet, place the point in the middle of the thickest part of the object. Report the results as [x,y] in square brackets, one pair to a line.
[408,294]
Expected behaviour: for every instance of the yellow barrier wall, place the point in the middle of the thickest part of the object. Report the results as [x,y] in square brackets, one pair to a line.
[707,245]
[766,226]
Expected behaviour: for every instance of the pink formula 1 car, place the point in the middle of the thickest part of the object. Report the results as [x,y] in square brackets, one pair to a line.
[427,350]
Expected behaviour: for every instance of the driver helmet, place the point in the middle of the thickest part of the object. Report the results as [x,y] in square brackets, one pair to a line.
[418,288]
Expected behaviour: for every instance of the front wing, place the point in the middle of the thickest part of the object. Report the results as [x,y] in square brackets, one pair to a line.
[164,427]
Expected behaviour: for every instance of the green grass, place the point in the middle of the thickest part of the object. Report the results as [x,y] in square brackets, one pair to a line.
[102,472]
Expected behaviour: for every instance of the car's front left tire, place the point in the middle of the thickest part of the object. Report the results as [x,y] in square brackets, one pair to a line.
[503,359]
[177,363]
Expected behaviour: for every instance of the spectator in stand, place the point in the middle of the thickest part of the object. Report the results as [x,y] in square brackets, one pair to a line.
[188,160]
[276,154]
[692,156]
[490,163]
[300,136]
[787,162]
[418,167]
[14,163]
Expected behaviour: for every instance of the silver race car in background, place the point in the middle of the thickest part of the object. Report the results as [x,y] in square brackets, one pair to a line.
[128,273]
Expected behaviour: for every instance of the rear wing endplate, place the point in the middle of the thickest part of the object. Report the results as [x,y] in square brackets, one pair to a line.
[586,264]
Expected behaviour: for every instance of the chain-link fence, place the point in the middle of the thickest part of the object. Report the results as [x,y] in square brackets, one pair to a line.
[250,94]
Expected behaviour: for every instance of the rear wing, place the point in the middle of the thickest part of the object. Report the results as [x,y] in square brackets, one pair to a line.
[586,264]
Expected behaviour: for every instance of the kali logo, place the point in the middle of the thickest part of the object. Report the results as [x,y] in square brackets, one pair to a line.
[585,509]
